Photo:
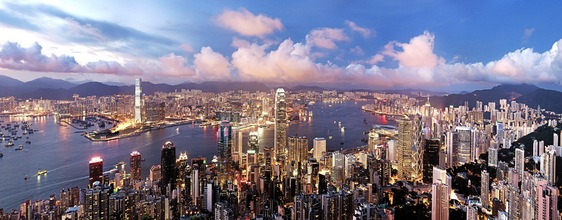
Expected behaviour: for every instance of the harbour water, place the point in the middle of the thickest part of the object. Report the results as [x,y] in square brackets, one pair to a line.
[64,153]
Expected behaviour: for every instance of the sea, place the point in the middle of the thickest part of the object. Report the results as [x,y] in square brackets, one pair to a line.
[65,153]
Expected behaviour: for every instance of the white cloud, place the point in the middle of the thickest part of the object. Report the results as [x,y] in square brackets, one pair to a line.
[248,24]
[211,65]
[325,37]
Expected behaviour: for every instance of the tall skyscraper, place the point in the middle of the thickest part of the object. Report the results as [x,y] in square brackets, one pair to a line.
[280,136]
[138,100]
[430,158]
[96,170]
[439,201]
[319,145]
[409,151]
[168,167]
[463,145]
[520,161]
[136,165]
[298,152]
[485,189]
[224,150]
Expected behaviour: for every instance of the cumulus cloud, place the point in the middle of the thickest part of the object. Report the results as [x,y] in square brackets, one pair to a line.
[365,32]
[326,37]
[417,53]
[212,65]
[246,23]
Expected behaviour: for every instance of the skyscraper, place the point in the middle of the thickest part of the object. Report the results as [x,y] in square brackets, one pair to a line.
[224,150]
[168,167]
[520,161]
[462,145]
[280,136]
[430,158]
[138,100]
[96,170]
[409,151]
[319,145]
[547,201]
[493,157]
[485,189]
[135,165]
[440,194]
[298,152]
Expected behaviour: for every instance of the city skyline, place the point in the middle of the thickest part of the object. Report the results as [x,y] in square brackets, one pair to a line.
[375,44]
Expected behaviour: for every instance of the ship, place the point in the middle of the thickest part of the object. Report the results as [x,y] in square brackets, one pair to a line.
[41,172]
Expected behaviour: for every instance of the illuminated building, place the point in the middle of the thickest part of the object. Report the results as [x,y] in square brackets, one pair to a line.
[493,157]
[154,111]
[463,145]
[280,129]
[548,165]
[409,151]
[224,151]
[297,152]
[96,170]
[135,165]
[96,203]
[319,146]
[138,100]
[440,191]
[168,167]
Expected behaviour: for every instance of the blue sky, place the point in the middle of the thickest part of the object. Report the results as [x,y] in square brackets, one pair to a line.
[447,45]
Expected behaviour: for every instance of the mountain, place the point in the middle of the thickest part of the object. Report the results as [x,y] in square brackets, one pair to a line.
[547,99]
[509,92]
[307,88]
[9,81]
[46,83]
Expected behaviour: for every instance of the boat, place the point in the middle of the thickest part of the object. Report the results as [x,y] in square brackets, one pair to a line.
[1,155]
[28,142]
[10,143]
[20,147]
[41,172]
[26,177]
[342,129]
[178,129]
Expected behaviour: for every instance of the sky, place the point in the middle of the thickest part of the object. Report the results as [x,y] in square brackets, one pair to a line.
[436,45]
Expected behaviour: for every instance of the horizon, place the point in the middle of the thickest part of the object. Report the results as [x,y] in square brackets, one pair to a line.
[457,47]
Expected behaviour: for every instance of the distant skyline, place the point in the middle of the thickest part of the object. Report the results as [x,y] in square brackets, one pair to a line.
[437,45]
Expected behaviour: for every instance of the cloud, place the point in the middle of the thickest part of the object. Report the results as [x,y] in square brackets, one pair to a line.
[212,65]
[186,48]
[376,59]
[83,29]
[246,23]
[365,32]
[325,37]
[13,56]
[527,33]
[417,53]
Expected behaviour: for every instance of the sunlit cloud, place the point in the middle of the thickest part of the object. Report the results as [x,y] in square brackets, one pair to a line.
[365,32]
[326,37]
[246,23]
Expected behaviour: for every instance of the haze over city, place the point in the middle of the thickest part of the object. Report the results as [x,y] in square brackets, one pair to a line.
[377,44]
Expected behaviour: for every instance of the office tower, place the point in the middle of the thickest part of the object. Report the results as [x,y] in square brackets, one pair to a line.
[138,100]
[493,157]
[135,165]
[463,145]
[168,167]
[485,189]
[409,149]
[297,151]
[430,158]
[520,161]
[96,170]
[548,165]
[547,201]
[195,185]
[439,201]
[372,141]
[319,145]
[280,135]
[224,151]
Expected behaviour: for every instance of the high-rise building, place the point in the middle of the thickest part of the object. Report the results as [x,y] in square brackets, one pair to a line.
[439,201]
[96,203]
[280,136]
[136,165]
[430,158]
[520,161]
[409,151]
[319,145]
[138,100]
[485,189]
[297,152]
[548,165]
[168,167]
[547,201]
[224,150]
[493,157]
[463,145]
[96,170]
[253,141]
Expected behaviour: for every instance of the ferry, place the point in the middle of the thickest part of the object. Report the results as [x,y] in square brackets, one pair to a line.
[41,172]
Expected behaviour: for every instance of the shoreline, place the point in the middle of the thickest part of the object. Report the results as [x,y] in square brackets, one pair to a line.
[137,131]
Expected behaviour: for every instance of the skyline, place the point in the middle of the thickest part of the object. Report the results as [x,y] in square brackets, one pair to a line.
[372,45]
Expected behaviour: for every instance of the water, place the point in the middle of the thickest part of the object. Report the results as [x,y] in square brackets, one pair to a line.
[65,154]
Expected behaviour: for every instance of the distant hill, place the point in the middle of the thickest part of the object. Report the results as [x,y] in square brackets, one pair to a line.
[509,92]
[8,81]
[307,88]
[47,83]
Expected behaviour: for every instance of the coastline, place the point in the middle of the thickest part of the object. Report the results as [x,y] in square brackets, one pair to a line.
[136,131]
